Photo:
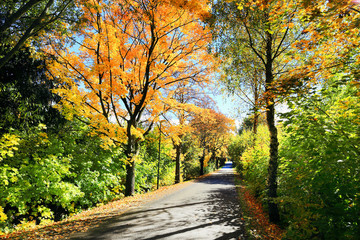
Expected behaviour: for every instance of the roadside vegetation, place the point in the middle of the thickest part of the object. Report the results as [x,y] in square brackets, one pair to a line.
[318,182]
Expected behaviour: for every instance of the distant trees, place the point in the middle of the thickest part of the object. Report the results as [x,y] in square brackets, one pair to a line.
[212,131]
[179,110]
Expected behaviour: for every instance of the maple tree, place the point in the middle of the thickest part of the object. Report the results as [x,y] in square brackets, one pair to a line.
[129,54]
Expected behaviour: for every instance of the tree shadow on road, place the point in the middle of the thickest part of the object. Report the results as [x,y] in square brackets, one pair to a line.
[221,209]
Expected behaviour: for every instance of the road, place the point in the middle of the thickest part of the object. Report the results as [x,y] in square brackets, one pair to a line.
[206,209]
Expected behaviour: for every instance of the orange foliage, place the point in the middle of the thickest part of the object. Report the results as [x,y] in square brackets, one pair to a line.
[213,130]
[131,52]
[259,220]
[332,33]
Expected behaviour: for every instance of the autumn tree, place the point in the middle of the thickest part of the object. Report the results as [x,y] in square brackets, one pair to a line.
[129,54]
[267,30]
[212,130]
[181,107]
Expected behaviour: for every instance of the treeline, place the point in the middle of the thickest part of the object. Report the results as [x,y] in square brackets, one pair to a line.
[318,181]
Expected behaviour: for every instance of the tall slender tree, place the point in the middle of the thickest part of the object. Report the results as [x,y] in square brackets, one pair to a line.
[266,30]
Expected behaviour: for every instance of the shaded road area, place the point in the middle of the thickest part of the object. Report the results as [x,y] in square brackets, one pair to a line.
[205,209]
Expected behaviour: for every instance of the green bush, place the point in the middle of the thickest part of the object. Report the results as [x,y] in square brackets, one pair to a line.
[147,168]
[45,176]
[255,159]
[319,172]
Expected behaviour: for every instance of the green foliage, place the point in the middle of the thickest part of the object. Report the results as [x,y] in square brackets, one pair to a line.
[192,152]
[26,99]
[318,171]
[51,175]
[25,22]
[238,145]
[147,169]
[98,172]
[319,181]
[254,158]
[8,144]
[31,179]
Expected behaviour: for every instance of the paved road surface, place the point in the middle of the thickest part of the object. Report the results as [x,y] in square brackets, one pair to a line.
[206,209]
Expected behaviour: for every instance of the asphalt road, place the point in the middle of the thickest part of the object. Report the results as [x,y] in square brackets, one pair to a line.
[206,209]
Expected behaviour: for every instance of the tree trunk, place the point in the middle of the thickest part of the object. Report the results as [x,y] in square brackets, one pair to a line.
[274,144]
[202,163]
[178,160]
[130,153]
[214,158]
[256,108]
[273,165]
[130,179]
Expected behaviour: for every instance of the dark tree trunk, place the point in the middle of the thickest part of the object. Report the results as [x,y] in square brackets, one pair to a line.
[214,158]
[130,153]
[178,160]
[273,165]
[202,164]
[274,144]
[130,179]
[256,108]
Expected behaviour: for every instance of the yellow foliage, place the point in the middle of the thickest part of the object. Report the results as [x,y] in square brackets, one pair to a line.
[8,144]
[3,216]
[206,159]
[127,59]
[137,133]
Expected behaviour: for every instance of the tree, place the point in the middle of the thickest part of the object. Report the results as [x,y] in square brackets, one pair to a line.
[212,130]
[21,21]
[242,70]
[322,137]
[25,95]
[268,29]
[183,104]
[131,53]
